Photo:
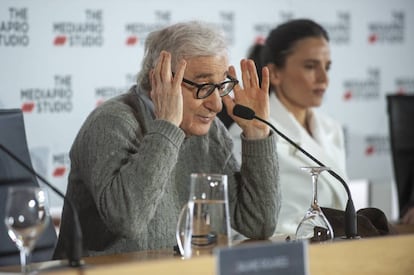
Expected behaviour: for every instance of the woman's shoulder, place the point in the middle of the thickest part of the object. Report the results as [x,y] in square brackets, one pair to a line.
[326,121]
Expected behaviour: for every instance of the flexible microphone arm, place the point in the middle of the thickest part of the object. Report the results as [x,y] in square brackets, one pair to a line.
[350,215]
[74,247]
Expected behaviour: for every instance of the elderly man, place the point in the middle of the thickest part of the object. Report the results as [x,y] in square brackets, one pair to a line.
[132,159]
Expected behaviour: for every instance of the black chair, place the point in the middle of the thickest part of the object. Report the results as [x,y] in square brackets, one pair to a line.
[13,137]
[401,125]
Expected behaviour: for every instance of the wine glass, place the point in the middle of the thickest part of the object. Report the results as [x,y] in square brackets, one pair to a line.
[26,218]
[314,226]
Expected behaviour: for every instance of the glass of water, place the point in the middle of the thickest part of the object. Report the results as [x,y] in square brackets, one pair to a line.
[204,222]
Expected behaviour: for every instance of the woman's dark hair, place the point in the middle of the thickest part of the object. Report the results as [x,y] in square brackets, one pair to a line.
[277,47]
[281,40]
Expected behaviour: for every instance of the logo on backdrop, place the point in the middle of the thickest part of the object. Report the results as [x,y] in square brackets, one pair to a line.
[262,29]
[226,23]
[363,89]
[80,34]
[105,92]
[376,145]
[391,31]
[137,32]
[55,99]
[405,85]
[339,31]
[14,31]
[61,164]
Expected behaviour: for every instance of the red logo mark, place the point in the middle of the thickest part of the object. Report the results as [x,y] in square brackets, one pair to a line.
[401,91]
[347,95]
[99,102]
[59,171]
[60,40]
[132,40]
[373,38]
[370,150]
[28,107]
[260,40]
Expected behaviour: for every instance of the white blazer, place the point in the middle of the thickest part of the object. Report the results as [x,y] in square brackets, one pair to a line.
[326,145]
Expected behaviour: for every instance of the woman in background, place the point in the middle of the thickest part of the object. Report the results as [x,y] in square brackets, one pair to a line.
[297,54]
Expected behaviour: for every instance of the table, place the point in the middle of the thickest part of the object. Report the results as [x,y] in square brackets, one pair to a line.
[379,255]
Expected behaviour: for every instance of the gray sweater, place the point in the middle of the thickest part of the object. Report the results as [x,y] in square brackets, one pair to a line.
[130,176]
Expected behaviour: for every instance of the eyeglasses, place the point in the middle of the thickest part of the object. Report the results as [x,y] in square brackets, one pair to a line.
[206,89]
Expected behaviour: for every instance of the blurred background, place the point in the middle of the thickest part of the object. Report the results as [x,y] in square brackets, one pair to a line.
[60,59]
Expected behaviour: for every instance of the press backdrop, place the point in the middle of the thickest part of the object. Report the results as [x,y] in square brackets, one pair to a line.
[60,59]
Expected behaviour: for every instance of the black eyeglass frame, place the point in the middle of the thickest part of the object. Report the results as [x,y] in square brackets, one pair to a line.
[213,86]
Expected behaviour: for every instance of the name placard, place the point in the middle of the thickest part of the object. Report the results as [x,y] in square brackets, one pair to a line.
[263,258]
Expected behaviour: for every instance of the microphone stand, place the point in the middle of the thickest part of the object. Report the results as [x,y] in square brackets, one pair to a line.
[74,247]
[350,214]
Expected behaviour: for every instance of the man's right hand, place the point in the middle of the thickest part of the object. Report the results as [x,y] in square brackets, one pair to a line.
[166,91]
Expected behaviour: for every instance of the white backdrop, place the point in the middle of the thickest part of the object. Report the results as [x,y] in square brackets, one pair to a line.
[60,59]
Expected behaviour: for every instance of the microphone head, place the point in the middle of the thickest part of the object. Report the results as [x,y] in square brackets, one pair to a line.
[243,112]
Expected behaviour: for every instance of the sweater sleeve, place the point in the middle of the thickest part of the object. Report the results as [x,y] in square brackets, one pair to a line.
[125,169]
[255,195]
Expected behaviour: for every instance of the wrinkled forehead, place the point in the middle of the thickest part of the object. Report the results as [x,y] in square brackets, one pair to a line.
[203,67]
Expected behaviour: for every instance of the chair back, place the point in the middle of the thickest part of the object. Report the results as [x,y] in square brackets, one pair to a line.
[13,137]
[401,128]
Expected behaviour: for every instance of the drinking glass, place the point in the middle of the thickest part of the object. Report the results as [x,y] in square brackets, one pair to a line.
[26,218]
[314,226]
[204,222]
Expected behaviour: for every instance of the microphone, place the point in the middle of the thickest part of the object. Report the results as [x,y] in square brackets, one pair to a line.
[74,245]
[350,214]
